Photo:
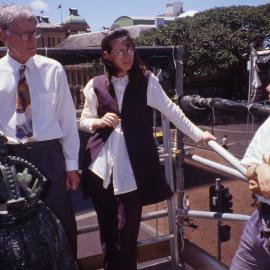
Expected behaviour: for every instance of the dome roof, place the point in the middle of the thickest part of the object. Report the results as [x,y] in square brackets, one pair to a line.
[74,17]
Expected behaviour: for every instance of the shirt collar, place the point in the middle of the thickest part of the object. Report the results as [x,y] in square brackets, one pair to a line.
[120,79]
[16,65]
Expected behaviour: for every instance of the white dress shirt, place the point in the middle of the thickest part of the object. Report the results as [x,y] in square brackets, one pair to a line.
[53,112]
[258,151]
[113,156]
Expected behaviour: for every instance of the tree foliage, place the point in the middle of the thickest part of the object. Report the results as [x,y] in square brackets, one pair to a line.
[215,41]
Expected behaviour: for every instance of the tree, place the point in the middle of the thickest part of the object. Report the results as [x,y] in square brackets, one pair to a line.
[216,42]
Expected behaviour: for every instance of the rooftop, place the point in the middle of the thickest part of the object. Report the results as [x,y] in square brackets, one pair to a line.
[93,39]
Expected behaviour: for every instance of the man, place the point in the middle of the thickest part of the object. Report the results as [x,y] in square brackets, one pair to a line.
[224,141]
[37,113]
[254,250]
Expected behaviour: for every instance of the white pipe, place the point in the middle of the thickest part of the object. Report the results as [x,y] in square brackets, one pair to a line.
[218,216]
[227,156]
[218,166]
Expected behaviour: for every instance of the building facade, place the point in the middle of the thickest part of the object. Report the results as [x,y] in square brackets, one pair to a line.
[53,34]
[173,10]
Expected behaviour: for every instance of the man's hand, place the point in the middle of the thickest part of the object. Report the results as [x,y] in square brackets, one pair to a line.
[72,180]
[254,187]
[261,186]
[263,172]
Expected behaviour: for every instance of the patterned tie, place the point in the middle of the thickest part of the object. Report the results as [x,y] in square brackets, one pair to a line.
[23,107]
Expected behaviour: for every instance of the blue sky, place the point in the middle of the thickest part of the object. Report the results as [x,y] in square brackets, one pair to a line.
[99,13]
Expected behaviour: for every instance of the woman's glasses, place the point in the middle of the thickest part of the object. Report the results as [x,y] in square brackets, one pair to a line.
[122,53]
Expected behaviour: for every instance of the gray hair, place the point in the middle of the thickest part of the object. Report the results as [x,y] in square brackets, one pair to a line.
[9,13]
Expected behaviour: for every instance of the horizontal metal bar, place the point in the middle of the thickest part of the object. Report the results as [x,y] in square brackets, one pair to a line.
[82,55]
[155,240]
[87,228]
[96,51]
[147,216]
[159,264]
[217,166]
[164,213]
[216,215]
[155,214]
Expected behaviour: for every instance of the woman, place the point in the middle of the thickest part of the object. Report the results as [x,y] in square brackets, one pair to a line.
[124,172]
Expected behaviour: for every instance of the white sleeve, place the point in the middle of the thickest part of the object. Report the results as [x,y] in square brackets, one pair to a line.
[66,114]
[89,113]
[255,151]
[157,98]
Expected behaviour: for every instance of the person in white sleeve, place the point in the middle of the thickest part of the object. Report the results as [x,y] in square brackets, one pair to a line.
[37,114]
[254,249]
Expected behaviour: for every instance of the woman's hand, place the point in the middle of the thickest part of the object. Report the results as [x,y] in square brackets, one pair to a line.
[109,120]
[207,136]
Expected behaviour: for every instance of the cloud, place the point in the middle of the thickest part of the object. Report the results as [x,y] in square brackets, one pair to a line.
[39,5]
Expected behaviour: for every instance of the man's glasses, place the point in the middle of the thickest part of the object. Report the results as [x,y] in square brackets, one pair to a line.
[123,53]
[26,35]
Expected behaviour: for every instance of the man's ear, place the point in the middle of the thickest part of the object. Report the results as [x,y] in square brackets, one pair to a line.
[2,36]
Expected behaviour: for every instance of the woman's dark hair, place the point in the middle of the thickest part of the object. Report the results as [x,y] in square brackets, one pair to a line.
[123,36]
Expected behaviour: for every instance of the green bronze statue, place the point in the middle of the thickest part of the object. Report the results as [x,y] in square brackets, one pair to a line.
[31,237]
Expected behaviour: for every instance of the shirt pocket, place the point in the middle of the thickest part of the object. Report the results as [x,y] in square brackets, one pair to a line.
[47,103]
